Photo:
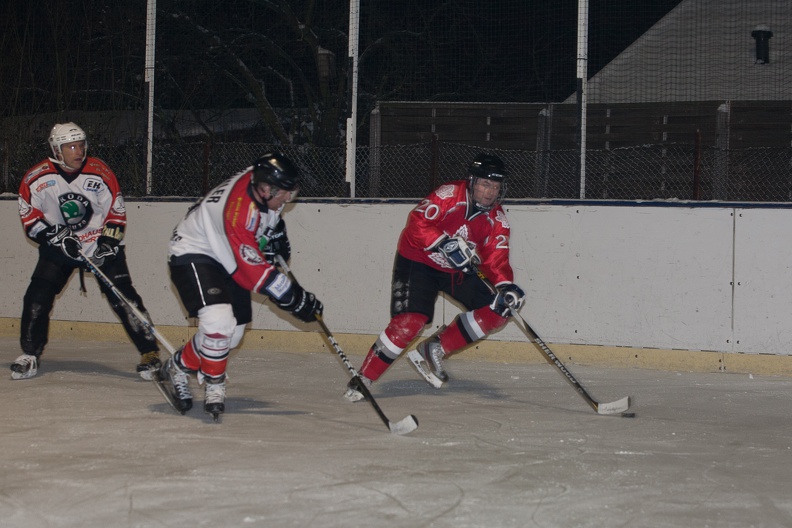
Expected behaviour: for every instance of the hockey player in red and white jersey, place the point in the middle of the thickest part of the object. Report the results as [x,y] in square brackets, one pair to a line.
[68,202]
[460,223]
[221,251]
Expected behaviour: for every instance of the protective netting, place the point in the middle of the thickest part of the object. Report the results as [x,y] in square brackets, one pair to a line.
[686,100]
[651,172]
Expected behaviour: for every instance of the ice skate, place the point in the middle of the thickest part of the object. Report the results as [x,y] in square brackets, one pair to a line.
[214,398]
[24,367]
[432,352]
[149,364]
[423,369]
[174,384]
[353,393]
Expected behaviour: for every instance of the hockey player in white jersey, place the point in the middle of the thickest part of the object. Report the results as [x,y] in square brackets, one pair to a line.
[66,203]
[220,252]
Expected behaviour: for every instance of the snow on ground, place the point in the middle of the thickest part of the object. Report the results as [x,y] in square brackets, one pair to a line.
[88,444]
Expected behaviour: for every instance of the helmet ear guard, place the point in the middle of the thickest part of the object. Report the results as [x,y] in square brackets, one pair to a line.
[63,133]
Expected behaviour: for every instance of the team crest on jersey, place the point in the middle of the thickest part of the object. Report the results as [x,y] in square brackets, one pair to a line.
[445,191]
[76,210]
[24,207]
[463,232]
[250,255]
[439,259]
[119,207]
[500,216]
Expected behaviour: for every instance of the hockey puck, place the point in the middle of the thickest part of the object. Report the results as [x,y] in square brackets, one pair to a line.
[628,415]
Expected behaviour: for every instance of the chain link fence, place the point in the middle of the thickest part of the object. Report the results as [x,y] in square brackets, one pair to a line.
[652,172]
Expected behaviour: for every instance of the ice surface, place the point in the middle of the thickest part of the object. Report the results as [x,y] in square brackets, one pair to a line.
[88,444]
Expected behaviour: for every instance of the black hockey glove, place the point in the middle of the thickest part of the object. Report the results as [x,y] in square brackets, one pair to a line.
[278,244]
[509,296]
[105,252]
[63,238]
[458,254]
[303,305]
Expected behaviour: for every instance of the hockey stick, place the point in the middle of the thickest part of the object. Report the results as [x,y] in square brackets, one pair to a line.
[132,307]
[615,407]
[143,320]
[404,426]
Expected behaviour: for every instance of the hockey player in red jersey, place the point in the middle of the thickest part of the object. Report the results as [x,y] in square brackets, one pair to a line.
[220,252]
[71,202]
[460,223]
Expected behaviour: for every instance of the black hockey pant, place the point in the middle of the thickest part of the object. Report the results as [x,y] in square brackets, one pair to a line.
[50,277]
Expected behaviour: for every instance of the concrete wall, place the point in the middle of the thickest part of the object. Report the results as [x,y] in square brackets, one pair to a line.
[628,280]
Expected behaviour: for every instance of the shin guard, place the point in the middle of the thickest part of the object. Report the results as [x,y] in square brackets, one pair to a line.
[401,330]
[468,328]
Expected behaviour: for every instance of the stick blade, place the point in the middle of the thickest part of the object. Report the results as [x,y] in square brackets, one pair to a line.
[616,407]
[405,426]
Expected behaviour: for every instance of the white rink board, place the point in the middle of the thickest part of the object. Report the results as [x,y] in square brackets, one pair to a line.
[642,276]
[763,279]
[606,275]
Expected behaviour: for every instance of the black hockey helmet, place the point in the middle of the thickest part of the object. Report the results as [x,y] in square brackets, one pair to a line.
[488,167]
[277,170]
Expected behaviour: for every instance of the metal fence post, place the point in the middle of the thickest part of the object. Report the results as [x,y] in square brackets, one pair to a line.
[543,133]
[375,159]
[721,173]
[697,165]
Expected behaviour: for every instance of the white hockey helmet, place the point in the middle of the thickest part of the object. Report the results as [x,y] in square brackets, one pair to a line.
[63,133]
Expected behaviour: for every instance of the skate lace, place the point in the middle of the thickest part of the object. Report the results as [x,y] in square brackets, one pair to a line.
[436,351]
[433,352]
[215,393]
[181,383]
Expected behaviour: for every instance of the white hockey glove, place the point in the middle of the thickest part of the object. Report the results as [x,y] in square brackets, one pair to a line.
[458,254]
[509,297]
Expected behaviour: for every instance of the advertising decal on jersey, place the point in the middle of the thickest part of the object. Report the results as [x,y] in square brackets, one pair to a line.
[93,185]
[278,287]
[41,186]
[76,210]
[251,220]
[35,172]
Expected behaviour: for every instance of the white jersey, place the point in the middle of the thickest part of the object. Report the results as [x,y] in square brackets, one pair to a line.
[85,201]
[232,228]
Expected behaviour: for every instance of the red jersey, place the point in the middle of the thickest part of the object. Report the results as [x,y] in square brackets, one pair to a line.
[230,227]
[449,212]
[84,201]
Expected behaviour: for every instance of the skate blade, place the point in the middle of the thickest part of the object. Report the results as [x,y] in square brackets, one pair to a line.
[166,394]
[21,375]
[423,369]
